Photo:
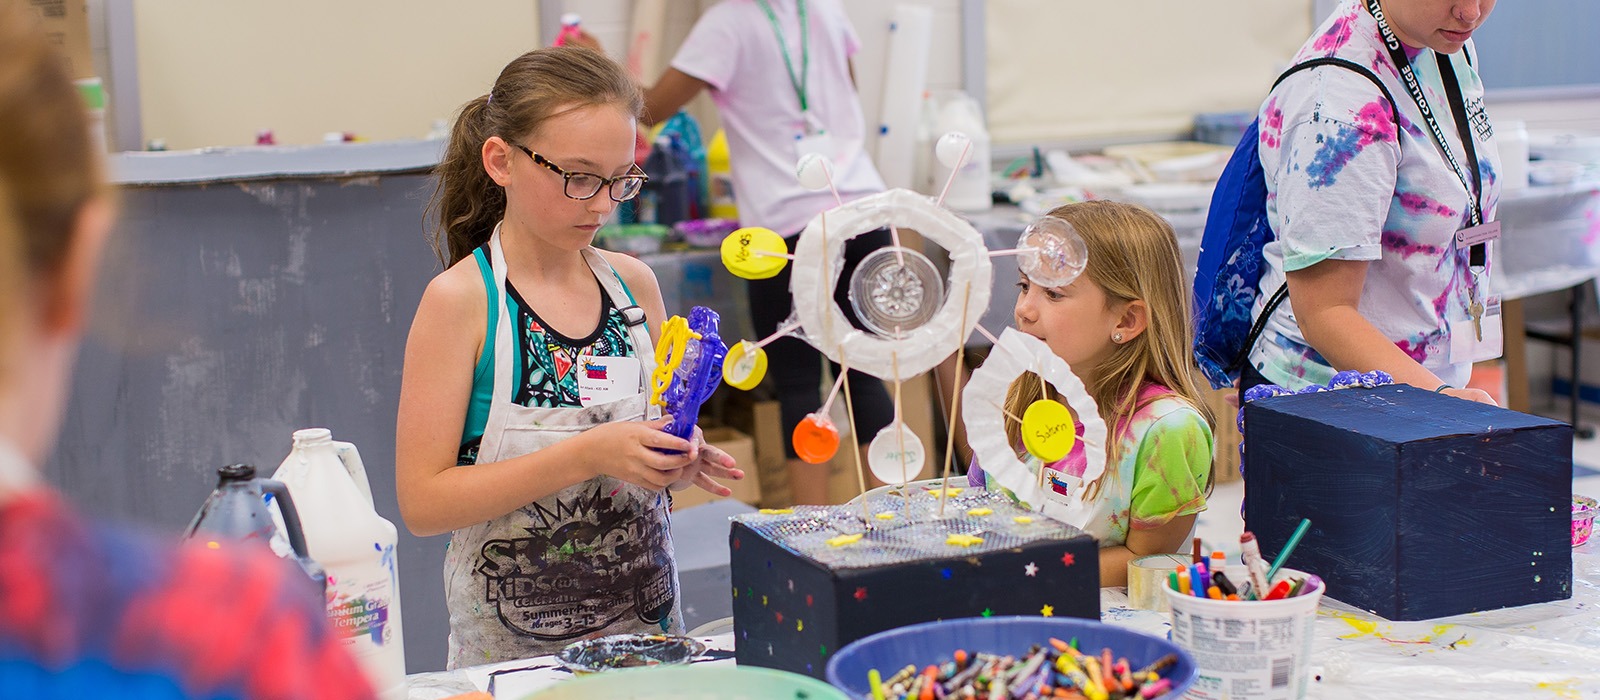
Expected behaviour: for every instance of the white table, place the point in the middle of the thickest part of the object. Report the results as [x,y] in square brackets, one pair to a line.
[1550,650]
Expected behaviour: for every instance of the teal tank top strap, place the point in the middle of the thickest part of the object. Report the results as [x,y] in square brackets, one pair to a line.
[483,374]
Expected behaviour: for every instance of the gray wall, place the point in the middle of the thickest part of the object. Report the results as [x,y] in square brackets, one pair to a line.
[230,315]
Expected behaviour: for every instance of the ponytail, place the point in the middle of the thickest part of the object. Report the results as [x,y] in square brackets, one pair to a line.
[467,202]
[530,90]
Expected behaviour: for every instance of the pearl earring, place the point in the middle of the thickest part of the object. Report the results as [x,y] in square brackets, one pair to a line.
[1116,337]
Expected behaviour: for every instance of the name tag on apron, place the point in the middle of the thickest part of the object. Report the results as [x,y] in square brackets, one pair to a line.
[606,379]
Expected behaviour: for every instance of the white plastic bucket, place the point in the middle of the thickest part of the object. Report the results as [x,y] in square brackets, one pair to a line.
[1248,649]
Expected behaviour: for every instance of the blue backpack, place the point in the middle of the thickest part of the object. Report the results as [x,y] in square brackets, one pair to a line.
[1228,276]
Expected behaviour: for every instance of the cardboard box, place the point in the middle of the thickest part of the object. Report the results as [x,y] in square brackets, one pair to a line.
[1421,505]
[742,448]
[66,23]
[799,596]
[1225,456]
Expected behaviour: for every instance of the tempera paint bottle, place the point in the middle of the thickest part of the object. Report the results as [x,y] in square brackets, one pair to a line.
[356,546]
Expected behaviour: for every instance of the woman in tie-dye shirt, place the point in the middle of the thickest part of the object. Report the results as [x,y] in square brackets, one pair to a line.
[1365,205]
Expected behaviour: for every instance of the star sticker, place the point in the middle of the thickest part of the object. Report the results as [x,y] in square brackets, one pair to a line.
[1068,559]
[823,650]
[987,613]
[1048,611]
[799,625]
[960,540]
[861,594]
[808,600]
[769,648]
[945,573]
[1031,569]
[735,543]
[780,617]
[763,601]
[791,585]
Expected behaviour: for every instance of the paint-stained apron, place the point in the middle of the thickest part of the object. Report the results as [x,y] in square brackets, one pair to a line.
[590,560]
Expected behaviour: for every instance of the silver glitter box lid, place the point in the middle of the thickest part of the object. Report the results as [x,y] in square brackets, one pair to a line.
[905,529]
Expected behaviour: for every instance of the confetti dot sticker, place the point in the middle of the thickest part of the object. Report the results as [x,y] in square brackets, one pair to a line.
[754,253]
[744,366]
[1047,430]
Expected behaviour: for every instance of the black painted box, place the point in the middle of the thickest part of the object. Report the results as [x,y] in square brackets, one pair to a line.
[1422,505]
[797,598]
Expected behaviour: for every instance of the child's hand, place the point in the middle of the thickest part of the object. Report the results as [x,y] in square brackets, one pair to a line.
[630,452]
[710,464]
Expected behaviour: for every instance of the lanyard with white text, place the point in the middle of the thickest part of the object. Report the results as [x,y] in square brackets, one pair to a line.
[1477,256]
[799,82]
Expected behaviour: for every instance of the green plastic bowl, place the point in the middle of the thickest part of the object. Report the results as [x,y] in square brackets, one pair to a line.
[692,683]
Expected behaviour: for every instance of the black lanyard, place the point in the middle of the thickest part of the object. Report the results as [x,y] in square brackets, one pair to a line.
[1452,87]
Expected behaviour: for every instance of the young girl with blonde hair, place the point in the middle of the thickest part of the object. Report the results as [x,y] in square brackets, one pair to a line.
[1124,328]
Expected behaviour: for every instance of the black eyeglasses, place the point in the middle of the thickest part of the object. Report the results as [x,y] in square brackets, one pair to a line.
[586,185]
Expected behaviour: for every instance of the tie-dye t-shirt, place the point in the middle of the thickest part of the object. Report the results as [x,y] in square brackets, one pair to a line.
[1163,473]
[1342,184]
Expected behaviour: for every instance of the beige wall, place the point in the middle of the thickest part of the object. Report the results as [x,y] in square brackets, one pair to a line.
[1061,71]
[212,72]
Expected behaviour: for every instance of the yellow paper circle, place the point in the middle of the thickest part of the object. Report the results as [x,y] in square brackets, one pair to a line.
[741,253]
[744,366]
[1047,430]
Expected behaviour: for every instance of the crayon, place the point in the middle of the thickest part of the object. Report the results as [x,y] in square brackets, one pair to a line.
[1215,593]
[1295,589]
[875,680]
[1183,583]
[1156,689]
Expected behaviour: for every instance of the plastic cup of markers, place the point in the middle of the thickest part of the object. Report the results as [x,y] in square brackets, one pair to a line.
[1247,649]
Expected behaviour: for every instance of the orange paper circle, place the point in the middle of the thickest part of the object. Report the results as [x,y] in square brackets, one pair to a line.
[815,439]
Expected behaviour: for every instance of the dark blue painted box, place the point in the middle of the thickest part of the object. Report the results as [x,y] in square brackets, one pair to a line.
[1422,505]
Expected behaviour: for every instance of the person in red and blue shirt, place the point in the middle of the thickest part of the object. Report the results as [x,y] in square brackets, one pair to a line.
[92,610]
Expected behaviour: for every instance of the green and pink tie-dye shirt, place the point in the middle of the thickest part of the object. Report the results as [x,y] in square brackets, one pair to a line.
[1343,183]
[1163,473]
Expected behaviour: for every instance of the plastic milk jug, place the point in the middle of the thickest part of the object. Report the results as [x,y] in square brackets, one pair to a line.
[356,547]
[970,190]
[236,511]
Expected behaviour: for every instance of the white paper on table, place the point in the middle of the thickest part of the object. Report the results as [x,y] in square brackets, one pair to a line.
[520,677]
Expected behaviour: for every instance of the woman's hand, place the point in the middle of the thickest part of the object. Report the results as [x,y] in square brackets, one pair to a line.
[630,451]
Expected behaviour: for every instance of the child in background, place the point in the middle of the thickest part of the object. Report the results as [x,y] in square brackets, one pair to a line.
[1124,328]
[522,424]
[90,609]
[779,72]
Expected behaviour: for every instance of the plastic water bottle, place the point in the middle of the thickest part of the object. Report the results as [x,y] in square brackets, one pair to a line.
[236,512]
[356,546]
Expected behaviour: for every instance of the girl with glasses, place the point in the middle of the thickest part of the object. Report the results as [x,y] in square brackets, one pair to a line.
[523,428]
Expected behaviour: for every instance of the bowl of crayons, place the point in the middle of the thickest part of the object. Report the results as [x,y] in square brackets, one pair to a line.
[1584,509]
[1012,657]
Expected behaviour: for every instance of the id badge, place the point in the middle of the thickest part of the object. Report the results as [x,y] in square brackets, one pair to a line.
[606,379]
[1464,343]
[1482,233]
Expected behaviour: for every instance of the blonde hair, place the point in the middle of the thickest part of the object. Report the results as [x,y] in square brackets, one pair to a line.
[538,85]
[1133,254]
[48,163]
